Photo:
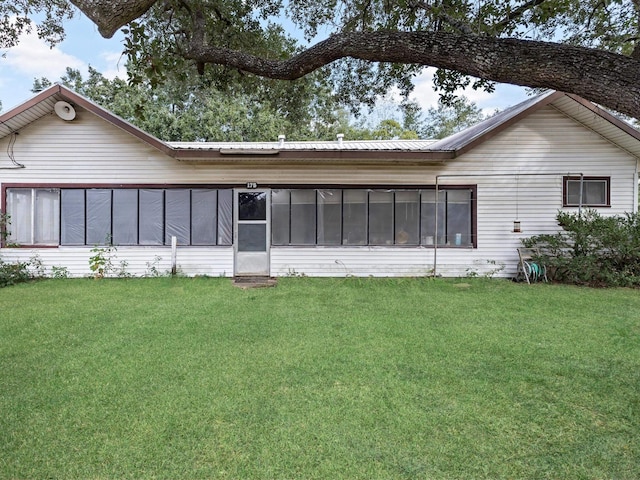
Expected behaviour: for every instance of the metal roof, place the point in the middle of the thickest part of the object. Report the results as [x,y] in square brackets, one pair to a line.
[422,151]
[462,139]
[365,145]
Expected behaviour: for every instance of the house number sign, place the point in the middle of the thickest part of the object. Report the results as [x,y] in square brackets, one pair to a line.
[252,185]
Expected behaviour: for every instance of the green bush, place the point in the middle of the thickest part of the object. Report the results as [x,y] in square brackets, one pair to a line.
[592,249]
[12,273]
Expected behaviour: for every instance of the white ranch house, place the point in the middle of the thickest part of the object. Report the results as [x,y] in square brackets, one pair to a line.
[73,176]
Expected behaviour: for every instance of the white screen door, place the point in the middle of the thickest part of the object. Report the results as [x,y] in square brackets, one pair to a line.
[252,218]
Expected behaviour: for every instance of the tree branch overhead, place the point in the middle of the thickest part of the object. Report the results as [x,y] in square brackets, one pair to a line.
[110,16]
[461,37]
[567,68]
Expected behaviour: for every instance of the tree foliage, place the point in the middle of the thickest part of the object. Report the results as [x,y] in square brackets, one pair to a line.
[586,47]
[451,118]
[18,17]
[193,111]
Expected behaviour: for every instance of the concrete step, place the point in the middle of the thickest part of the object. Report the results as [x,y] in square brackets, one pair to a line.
[254,282]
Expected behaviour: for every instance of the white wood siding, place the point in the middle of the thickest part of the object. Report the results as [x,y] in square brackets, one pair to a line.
[140,261]
[546,143]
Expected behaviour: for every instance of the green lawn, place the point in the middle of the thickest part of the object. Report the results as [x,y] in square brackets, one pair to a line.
[318,378]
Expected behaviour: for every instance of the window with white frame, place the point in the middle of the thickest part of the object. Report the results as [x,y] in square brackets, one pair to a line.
[595,192]
[34,216]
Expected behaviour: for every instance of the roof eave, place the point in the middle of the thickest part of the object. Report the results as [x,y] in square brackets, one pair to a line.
[275,156]
[116,121]
[624,126]
[78,100]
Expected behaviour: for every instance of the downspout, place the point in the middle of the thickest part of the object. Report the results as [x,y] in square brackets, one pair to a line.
[580,195]
[636,193]
[435,237]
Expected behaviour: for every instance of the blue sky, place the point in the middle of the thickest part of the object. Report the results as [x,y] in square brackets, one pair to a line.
[84,46]
[32,58]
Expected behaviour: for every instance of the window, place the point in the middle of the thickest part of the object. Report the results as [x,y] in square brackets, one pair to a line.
[381,218]
[280,217]
[225,217]
[407,217]
[354,217]
[151,215]
[125,216]
[596,192]
[98,220]
[303,217]
[428,216]
[329,217]
[177,216]
[72,227]
[34,215]
[121,216]
[204,217]
[373,217]
[458,217]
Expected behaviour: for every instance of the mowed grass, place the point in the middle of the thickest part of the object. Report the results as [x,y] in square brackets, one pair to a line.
[318,378]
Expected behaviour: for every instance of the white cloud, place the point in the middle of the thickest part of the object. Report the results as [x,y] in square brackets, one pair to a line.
[33,58]
[504,95]
[113,65]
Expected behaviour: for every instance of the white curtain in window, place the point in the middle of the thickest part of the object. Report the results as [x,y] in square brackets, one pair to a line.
[47,217]
[19,204]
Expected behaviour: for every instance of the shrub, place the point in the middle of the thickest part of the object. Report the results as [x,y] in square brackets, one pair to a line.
[12,273]
[101,262]
[592,249]
[4,226]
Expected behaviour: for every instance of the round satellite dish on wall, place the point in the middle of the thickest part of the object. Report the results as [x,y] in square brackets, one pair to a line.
[64,110]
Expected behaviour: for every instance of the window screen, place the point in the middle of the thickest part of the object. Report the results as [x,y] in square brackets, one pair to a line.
[381,218]
[459,217]
[98,217]
[204,217]
[428,217]
[280,217]
[354,217]
[303,217]
[407,217]
[125,217]
[151,228]
[72,217]
[225,217]
[329,217]
[595,191]
[177,214]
